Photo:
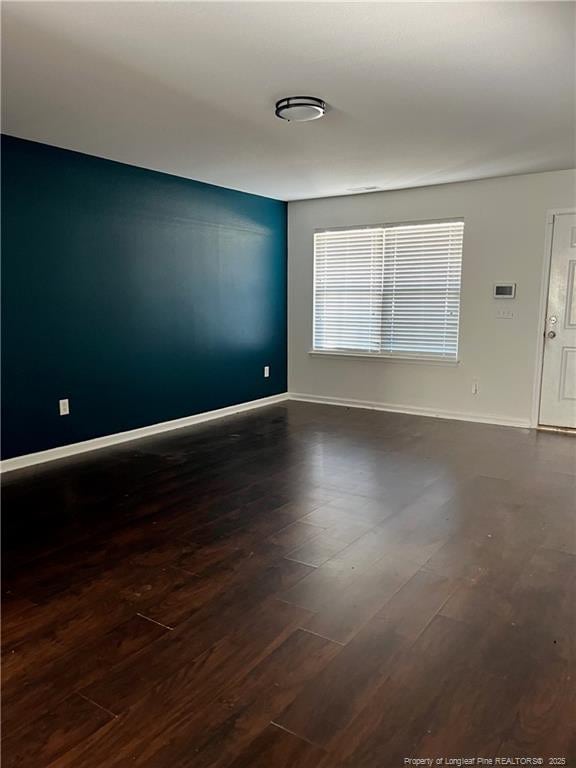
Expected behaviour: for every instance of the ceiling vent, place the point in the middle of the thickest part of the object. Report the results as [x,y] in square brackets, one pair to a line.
[363,189]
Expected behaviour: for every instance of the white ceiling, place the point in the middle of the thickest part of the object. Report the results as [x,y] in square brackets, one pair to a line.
[420,93]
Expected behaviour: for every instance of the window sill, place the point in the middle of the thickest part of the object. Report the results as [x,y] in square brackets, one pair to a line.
[386,358]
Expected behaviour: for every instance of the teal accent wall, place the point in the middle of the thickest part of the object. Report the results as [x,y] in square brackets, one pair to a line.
[141,297]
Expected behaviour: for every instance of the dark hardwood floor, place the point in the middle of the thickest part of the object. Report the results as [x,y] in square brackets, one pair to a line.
[301,586]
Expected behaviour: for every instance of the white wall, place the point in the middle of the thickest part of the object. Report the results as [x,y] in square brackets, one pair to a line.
[504,240]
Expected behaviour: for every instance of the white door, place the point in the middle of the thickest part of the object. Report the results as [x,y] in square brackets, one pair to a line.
[558,398]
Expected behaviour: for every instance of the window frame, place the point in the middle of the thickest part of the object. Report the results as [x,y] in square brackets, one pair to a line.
[397,357]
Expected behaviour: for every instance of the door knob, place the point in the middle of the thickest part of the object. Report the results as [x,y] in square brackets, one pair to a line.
[551,334]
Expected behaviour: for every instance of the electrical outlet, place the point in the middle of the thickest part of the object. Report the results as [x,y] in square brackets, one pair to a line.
[64,406]
[475,387]
[266,371]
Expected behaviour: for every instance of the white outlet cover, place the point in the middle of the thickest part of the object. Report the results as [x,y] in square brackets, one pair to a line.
[266,371]
[64,407]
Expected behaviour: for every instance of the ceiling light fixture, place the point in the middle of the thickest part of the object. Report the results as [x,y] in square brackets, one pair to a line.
[300,109]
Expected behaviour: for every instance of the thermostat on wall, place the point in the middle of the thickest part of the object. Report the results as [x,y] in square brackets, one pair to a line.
[504,290]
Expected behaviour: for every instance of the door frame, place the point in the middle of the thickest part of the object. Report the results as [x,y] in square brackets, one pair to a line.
[544,288]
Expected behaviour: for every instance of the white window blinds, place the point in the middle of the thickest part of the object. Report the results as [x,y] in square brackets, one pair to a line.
[348,289]
[389,290]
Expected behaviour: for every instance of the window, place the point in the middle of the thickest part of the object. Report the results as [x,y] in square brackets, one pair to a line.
[391,290]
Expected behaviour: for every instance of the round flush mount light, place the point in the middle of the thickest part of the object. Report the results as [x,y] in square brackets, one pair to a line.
[300,109]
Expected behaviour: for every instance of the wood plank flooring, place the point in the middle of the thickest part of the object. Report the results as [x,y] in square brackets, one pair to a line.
[302,586]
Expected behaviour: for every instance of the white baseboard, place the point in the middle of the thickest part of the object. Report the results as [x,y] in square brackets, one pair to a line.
[64,451]
[29,459]
[413,410]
